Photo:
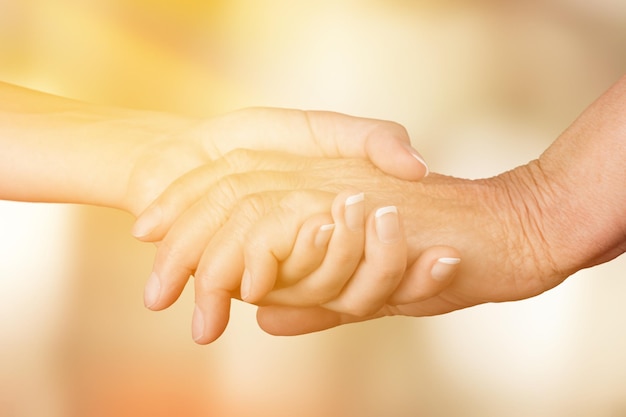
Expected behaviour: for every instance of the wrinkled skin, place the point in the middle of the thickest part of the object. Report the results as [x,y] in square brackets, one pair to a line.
[491,222]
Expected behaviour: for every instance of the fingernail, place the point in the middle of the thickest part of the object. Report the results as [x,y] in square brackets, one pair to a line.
[443,268]
[323,235]
[147,222]
[152,291]
[387,225]
[246,284]
[354,211]
[417,156]
[197,324]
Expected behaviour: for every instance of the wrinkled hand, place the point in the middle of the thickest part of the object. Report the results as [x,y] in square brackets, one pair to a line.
[491,222]
[503,258]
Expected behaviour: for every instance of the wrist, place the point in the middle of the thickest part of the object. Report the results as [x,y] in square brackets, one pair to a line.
[163,149]
[59,150]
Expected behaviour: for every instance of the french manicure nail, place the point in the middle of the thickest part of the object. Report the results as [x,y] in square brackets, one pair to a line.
[354,211]
[152,292]
[246,284]
[443,268]
[417,156]
[147,222]
[387,225]
[323,235]
[197,324]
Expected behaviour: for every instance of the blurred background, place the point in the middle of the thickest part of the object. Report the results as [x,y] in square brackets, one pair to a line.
[482,86]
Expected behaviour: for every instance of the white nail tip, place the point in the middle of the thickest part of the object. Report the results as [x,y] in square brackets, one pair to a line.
[327,227]
[449,261]
[421,161]
[353,199]
[386,210]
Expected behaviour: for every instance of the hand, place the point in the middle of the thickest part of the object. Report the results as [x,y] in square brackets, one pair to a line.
[477,217]
[347,269]
[514,230]
[59,150]
[308,133]
[531,227]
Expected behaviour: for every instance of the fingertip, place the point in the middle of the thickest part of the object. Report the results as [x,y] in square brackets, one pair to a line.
[152,291]
[413,153]
[444,268]
[246,285]
[323,235]
[255,285]
[197,325]
[387,225]
[144,227]
[395,156]
[428,276]
[210,318]
[159,294]
[348,210]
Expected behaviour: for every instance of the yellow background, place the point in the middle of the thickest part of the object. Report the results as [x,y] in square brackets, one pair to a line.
[482,86]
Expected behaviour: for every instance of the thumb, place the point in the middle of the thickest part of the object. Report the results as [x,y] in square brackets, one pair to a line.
[386,144]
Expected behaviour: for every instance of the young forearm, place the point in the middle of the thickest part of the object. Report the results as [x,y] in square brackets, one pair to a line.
[59,150]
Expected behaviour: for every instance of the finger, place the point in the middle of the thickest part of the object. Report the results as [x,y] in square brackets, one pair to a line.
[214,287]
[386,144]
[320,133]
[221,268]
[221,272]
[278,251]
[154,222]
[429,275]
[210,317]
[308,251]
[179,252]
[381,270]
[291,321]
[271,239]
[344,252]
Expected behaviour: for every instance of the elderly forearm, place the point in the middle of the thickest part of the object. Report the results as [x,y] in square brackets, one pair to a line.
[580,178]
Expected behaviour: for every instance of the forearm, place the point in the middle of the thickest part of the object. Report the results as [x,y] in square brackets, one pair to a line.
[579,197]
[59,150]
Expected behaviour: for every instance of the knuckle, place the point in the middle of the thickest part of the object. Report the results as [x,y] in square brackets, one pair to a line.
[305,200]
[226,192]
[394,128]
[388,271]
[346,255]
[254,205]
[246,212]
[323,293]
[175,255]
[238,159]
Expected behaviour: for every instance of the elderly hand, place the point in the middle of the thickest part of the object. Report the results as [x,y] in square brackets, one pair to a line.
[500,258]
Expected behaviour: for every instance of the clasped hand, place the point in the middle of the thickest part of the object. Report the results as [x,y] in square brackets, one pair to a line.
[319,242]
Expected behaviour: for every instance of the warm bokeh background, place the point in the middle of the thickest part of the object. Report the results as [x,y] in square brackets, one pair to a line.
[481,86]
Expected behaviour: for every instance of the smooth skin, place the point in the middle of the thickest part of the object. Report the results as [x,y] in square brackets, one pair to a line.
[55,149]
